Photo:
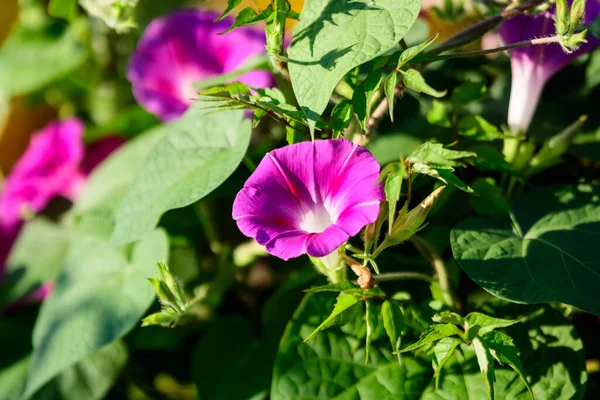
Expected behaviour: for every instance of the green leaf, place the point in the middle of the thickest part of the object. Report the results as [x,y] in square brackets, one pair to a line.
[434,154]
[489,159]
[391,148]
[332,366]
[12,379]
[443,174]
[371,317]
[461,379]
[477,128]
[341,116]
[348,288]
[195,156]
[333,37]
[548,255]
[434,333]
[486,365]
[468,92]
[31,59]
[106,186]
[438,115]
[390,91]
[414,51]
[551,353]
[502,348]
[35,258]
[393,322]
[65,9]
[248,16]
[491,200]
[344,311]
[97,298]
[448,317]
[92,377]
[483,324]
[393,187]
[231,5]
[363,96]
[442,352]
[415,81]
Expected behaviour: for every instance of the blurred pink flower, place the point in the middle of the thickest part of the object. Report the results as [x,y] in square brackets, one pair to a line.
[309,198]
[54,164]
[533,66]
[49,168]
[185,47]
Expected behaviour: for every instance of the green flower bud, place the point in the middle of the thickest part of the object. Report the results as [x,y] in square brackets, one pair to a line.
[561,18]
[556,146]
[576,15]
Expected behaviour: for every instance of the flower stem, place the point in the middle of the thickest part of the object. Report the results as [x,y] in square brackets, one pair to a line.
[524,43]
[395,276]
[439,266]
[474,32]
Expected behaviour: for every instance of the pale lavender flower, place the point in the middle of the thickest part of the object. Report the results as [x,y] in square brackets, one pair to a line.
[309,198]
[533,66]
[185,47]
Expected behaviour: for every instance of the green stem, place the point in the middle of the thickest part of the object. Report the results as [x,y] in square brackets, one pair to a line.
[439,266]
[524,43]
[249,163]
[396,276]
[203,213]
[476,31]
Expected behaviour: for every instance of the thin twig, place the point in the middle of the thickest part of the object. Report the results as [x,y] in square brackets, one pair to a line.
[439,266]
[380,111]
[394,276]
[524,43]
[476,31]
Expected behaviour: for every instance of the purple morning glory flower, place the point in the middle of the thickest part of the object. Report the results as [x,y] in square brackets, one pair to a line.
[532,66]
[49,168]
[309,198]
[54,164]
[185,47]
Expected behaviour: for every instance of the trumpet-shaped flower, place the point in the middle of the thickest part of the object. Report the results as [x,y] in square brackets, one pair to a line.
[185,47]
[309,198]
[533,66]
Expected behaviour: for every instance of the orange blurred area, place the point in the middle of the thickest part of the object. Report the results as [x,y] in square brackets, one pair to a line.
[256,4]
[18,120]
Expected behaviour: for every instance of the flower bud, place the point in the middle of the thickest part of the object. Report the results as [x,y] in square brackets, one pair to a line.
[561,18]
[165,275]
[556,146]
[576,14]
[159,318]
[407,225]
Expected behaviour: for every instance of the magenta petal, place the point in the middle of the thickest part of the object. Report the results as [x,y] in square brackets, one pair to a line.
[309,197]
[355,218]
[288,245]
[321,244]
[184,47]
[339,165]
[49,167]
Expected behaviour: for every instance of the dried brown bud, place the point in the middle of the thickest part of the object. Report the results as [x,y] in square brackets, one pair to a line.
[365,278]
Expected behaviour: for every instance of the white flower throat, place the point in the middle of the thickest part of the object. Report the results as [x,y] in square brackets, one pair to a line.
[316,219]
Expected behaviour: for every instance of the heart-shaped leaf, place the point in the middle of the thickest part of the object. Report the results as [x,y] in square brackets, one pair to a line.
[334,36]
[547,254]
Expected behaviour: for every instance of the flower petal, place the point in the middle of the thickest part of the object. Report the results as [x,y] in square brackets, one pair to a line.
[184,47]
[321,244]
[288,245]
